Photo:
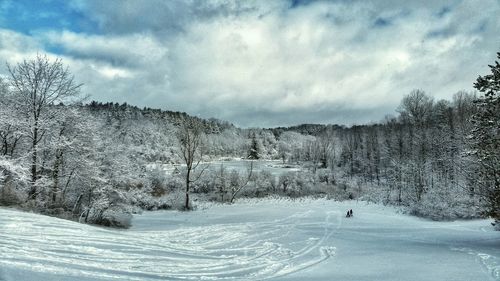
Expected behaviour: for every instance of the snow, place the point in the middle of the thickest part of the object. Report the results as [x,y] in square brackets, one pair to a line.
[275,167]
[307,239]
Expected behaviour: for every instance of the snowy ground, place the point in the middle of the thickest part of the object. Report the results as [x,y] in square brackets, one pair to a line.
[252,240]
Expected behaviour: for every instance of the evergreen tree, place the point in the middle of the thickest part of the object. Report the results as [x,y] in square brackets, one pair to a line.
[253,153]
[486,139]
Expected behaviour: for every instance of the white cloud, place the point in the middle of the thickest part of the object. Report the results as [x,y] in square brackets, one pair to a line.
[15,47]
[263,63]
[298,61]
[133,49]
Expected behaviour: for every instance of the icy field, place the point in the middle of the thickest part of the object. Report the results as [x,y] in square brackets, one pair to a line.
[252,240]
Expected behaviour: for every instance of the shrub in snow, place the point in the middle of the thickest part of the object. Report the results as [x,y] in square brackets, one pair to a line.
[325,176]
[103,214]
[176,200]
[12,181]
[158,182]
[205,184]
[11,193]
[146,201]
[265,184]
[58,212]
[108,207]
[445,204]
[377,194]
[116,218]
[301,185]
[285,182]
[344,191]
[294,184]
[175,182]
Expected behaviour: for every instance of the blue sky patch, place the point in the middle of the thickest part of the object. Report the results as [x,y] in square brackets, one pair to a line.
[28,17]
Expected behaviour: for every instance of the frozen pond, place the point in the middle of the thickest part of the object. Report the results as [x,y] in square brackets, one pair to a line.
[275,167]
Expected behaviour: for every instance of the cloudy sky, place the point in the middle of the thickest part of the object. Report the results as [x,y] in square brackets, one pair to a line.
[260,63]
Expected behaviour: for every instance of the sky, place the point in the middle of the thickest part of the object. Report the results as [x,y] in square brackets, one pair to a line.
[260,63]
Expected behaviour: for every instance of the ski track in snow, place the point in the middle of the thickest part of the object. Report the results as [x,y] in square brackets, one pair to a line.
[241,251]
[490,263]
[253,240]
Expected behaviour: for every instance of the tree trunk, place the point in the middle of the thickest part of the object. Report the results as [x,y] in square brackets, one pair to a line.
[77,203]
[32,193]
[186,204]
[55,175]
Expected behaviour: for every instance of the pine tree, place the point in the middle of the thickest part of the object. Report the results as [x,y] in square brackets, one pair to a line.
[253,153]
[486,139]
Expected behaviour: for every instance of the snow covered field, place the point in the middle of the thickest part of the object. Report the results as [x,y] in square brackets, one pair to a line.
[251,240]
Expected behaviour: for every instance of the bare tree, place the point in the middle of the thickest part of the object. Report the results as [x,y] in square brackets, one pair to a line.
[236,185]
[416,110]
[9,122]
[190,136]
[416,107]
[38,84]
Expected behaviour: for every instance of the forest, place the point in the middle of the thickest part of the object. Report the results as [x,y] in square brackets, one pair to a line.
[63,155]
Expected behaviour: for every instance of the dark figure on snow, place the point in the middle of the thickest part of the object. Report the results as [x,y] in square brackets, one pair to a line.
[350,212]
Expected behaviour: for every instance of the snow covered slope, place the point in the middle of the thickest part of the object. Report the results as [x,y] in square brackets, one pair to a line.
[252,240]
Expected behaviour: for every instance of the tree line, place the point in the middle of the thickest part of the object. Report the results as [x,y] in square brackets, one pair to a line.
[98,162]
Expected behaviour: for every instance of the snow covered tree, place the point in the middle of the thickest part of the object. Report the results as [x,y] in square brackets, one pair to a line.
[486,138]
[415,110]
[237,184]
[10,122]
[283,150]
[71,142]
[221,183]
[39,84]
[253,152]
[12,170]
[190,137]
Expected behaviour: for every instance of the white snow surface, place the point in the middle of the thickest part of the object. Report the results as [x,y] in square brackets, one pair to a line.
[306,239]
[275,167]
